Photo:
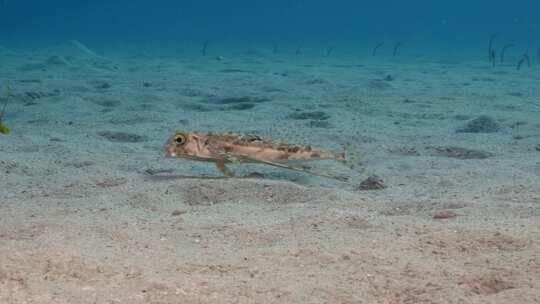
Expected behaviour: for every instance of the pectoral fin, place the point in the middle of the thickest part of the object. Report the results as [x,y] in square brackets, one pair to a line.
[342,179]
[220,164]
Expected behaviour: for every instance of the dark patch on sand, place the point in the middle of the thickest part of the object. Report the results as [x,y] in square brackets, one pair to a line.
[122,137]
[481,124]
[315,115]
[379,84]
[234,100]
[460,153]
[320,124]
[232,71]
[241,107]
[207,192]
[107,103]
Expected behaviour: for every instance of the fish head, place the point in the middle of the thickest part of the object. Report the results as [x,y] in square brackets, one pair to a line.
[188,145]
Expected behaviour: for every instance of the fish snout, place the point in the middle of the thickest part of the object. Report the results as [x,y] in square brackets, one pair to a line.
[170,150]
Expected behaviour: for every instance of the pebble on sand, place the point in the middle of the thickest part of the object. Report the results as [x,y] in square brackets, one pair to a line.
[373,182]
[444,214]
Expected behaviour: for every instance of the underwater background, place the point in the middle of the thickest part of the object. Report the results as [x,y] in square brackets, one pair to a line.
[454,24]
[430,111]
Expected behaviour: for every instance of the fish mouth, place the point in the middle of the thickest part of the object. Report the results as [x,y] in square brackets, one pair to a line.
[170,152]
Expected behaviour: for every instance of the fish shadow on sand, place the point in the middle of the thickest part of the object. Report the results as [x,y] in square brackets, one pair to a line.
[201,191]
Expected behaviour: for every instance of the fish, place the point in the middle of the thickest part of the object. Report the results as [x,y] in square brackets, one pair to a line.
[223,148]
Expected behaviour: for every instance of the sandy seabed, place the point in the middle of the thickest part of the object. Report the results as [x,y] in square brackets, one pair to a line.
[91,211]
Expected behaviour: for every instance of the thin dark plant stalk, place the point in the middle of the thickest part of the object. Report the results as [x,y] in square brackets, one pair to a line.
[274,47]
[6,101]
[524,58]
[298,50]
[491,38]
[493,57]
[520,62]
[204,47]
[374,52]
[503,51]
[396,48]
[329,52]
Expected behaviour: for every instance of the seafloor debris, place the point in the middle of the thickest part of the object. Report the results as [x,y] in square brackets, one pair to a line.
[178,212]
[373,182]
[444,214]
[111,182]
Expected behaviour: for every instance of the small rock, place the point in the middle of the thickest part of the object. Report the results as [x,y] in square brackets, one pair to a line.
[388,78]
[178,212]
[255,175]
[107,103]
[445,214]
[102,85]
[537,148]
[372,183]
[156,171]
[481,124]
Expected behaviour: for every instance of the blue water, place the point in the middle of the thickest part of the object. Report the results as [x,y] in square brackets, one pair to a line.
[434,197]
[454,22]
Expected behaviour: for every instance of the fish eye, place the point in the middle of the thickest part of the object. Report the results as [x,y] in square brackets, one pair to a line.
[180,139]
